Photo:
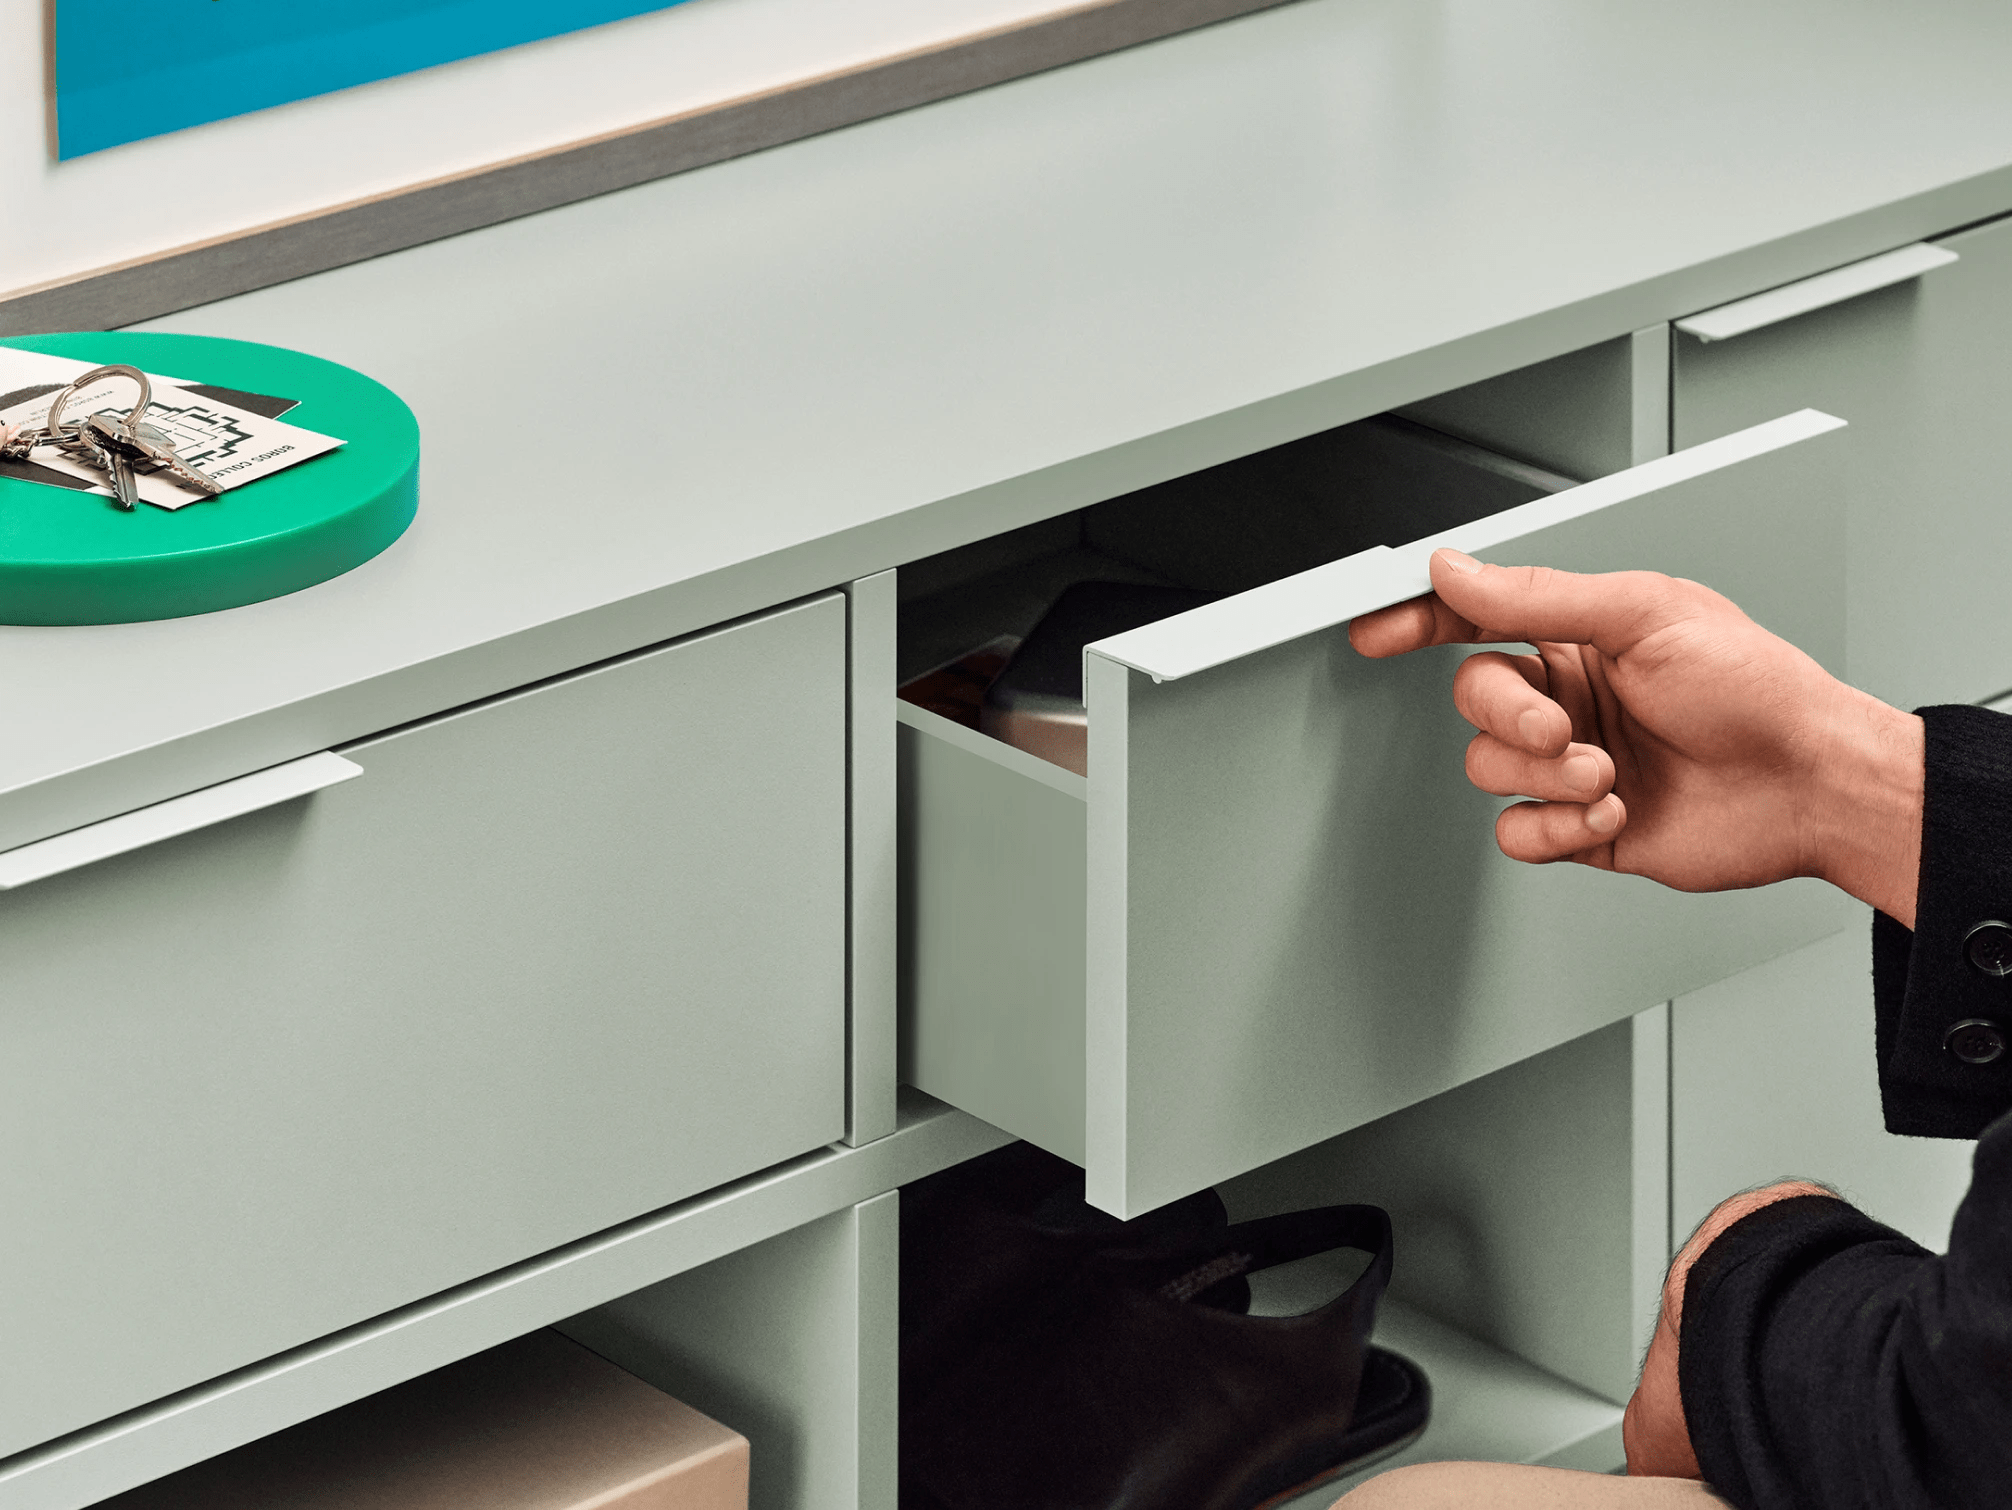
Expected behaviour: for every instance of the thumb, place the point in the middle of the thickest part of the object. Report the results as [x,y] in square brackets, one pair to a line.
[1610,611]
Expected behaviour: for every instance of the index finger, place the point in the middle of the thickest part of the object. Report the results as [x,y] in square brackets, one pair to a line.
[1417,623]
[1408,626]
[1610,611]
[1477,604]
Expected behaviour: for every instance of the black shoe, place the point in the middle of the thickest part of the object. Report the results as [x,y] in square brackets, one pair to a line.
[981,1240]
[1130,1379]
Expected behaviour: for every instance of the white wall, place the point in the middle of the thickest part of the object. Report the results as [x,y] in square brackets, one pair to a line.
[61,219]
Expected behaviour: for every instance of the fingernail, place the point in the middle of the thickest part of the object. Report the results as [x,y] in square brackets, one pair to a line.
[1604,816]
[1581,772]
[1534,727]
[1457,561]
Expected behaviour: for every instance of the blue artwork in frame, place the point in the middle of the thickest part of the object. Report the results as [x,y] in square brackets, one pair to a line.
[127,69]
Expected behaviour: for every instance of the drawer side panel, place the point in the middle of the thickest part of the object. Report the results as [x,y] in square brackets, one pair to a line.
[992,907]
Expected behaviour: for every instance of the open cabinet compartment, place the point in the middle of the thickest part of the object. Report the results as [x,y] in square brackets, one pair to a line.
[1530,1216]
[791,1342]
[1274,910]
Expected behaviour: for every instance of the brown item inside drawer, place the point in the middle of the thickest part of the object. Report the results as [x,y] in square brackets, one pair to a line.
[957,691]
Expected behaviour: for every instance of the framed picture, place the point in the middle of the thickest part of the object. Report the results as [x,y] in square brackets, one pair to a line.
[128,69]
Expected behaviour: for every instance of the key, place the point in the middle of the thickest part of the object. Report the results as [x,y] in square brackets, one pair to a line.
[87,446]
[99,436]
[132,445]
[125,486]
[161,452]
[111,446]
[119,466]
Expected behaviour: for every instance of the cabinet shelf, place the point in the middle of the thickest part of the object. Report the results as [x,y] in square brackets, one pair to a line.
[1487,1405]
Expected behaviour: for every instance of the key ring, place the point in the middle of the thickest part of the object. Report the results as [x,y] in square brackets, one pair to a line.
[52,423]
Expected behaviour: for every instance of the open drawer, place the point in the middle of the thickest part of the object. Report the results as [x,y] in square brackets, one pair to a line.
[1274,910]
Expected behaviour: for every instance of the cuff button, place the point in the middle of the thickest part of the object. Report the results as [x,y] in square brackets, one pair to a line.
[1988,947]
[1975,1041]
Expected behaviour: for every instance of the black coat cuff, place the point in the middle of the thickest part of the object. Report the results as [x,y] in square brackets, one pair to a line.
[1939,1008]
[1826,1360]
[1776,1383]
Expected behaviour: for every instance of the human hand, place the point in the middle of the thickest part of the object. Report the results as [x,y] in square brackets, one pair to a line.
[1653,1430]
[1663,733]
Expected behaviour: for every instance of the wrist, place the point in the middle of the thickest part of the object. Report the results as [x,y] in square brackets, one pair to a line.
[1862,808]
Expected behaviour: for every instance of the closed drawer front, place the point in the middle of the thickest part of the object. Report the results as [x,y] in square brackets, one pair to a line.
[543,966]
[1922,371]
[1274,909]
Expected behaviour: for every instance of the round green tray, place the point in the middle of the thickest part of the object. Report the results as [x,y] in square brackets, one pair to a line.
[75,558]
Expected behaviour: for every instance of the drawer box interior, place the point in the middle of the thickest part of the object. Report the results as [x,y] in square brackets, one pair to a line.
[1386,481]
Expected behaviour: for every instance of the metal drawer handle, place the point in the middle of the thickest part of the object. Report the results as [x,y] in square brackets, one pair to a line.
[178,815]
[1231,628]
[1833,287]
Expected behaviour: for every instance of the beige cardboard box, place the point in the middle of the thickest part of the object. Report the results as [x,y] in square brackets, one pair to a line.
[537,1424]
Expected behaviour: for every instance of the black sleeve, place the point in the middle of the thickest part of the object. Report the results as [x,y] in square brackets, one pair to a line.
[1943,1014]
[1828,1363]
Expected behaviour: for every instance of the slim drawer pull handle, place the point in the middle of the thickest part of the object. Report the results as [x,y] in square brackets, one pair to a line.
[1833,287]
[1231,628]
[178,815]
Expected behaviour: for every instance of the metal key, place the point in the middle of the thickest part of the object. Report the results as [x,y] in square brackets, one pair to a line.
[131,445]
[91,440]
[82,446]
[149,445]
[107,439]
